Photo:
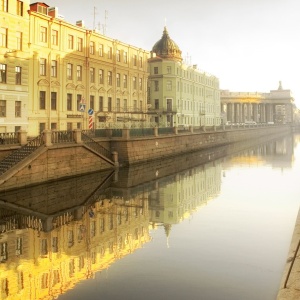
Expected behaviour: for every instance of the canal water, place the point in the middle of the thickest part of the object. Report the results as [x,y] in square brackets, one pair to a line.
[213,225]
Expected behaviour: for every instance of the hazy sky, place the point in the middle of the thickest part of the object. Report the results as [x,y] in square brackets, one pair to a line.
[250,45]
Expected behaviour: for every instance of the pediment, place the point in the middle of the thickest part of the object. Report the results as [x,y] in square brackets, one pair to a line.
[43,82]
[102,90]
[55,83]
[70,86]
[93,88]
[80,87]
[110,91]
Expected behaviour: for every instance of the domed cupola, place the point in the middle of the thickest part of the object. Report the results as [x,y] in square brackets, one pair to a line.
[166,48]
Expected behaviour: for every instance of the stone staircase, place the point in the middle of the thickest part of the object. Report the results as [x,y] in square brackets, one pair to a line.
[18,155]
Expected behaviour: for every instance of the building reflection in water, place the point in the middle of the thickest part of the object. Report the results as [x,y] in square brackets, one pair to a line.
[55,235]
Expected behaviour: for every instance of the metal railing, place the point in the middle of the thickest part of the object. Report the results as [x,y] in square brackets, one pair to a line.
[96,147]
[9,138]
[62,137]
[20,154]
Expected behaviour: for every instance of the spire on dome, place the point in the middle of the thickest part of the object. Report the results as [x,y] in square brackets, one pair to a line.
[166,47]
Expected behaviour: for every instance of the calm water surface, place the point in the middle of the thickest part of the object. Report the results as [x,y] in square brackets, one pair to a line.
[216,231]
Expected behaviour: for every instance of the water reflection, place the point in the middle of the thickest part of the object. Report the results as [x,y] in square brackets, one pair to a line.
[55,235]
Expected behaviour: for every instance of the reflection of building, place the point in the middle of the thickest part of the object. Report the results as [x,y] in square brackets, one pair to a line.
[176,197]
[179,94]
[14,65]
[278,152]
[277,106]
[41,265]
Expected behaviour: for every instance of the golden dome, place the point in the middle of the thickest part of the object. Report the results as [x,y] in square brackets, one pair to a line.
[167,48]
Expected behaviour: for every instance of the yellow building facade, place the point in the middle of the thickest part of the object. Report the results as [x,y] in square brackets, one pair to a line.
[80,78]
[60,76]
[14,65]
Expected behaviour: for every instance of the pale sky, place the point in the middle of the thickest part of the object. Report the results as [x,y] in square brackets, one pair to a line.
[250,45]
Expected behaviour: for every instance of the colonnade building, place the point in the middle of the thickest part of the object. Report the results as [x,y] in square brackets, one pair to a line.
[180,94]
[275,107]
[68,73]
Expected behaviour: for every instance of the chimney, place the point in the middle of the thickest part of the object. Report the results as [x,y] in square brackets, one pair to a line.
[80,23]
[53,12]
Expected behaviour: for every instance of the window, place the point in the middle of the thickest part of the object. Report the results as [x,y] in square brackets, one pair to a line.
[69,126]
[79,72]
[118,56]
[2,73]
[169,85]
[141,105]
[141,62]
[169,69]
[3,37]
[109,78]
[79,44]
[54,37]
[53,100]
[53,126]
[42,9]
[134,82]
[125,57]
[19,36]
[92,48]
[125,81]
[155,70]
[69,101]
[69,71]
[156,104]
[2,108]
[70,41]
[100,49]
[42,100]
[92,101]
[125,105]
[109,103]
[101,76]
[43,34]
[134,105]
[118,79]
[54,68]
[100,103]
[109,52]
[43,66]
[19,8]
[141,83]
[18,74]
[4,5]
[156,85]
[134,59]
[78,101]
[92,75]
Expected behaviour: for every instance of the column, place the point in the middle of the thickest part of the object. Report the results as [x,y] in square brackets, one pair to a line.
[255,112]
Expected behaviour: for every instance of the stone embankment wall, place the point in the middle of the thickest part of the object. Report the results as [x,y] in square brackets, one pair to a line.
[139,150]
[52,164]
[62,161]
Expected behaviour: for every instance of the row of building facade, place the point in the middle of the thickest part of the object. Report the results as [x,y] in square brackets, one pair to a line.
[56,75]
[60,76]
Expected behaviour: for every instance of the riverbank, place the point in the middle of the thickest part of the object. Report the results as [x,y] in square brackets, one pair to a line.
[290,283]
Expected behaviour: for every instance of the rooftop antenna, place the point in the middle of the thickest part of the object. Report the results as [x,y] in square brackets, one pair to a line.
[105,19]
[94,18]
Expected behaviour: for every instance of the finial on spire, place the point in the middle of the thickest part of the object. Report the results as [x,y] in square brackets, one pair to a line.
[165,22]
[280,86]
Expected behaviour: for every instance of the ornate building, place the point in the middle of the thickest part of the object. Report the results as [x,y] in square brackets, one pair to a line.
[274,107]
[14,65]
[78,73]
[179,94]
